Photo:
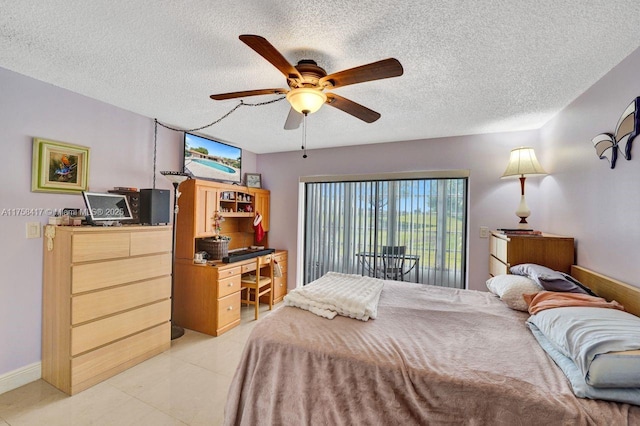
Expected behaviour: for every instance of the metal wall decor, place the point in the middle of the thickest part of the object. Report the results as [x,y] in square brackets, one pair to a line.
[607,145]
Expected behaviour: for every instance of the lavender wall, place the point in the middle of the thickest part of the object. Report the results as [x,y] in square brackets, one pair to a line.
[121,154]
[492,201]
[599,206]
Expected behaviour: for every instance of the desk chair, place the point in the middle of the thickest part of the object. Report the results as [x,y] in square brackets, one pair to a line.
[393,262]
[258,283]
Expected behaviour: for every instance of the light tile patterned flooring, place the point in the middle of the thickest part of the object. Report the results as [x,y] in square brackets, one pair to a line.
[185,385]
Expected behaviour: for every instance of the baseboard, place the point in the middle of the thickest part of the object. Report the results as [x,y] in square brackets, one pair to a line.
[22,376]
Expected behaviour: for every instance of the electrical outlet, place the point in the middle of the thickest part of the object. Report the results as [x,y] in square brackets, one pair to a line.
[484,232]
[33,229]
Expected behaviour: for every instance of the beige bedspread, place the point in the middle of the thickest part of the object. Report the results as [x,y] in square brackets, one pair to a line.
[433,356]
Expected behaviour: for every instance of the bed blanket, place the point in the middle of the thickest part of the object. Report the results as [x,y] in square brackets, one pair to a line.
[434,356]
[334,294]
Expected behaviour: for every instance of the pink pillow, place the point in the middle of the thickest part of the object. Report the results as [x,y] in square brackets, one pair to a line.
[550,299]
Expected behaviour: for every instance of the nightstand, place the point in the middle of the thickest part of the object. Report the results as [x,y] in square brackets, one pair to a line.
[553,251]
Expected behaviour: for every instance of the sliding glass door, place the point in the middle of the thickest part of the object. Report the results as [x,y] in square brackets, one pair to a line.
[404,229]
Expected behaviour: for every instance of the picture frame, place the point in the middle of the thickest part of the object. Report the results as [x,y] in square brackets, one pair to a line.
[253,180]
[59,167]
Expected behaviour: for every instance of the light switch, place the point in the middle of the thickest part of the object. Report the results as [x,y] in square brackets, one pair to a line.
[33,229]
[484,232]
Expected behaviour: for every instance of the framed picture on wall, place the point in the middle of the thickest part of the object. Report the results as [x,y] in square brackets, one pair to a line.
[59,167]
[253,180]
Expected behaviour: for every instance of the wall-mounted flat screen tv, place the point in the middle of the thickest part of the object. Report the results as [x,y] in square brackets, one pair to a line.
[209,159]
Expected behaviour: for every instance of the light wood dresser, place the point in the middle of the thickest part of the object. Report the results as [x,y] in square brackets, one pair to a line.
[106,301]
[553,251]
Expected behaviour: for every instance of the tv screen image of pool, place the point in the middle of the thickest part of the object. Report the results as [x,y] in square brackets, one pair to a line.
[206,158]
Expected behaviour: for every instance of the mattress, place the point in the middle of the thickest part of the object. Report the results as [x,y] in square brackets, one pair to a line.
[433,355]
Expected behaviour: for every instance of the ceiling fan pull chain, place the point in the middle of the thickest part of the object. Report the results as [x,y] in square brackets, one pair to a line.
[304,135]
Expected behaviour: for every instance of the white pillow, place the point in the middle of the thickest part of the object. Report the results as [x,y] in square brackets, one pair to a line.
[510,289]
[602,343]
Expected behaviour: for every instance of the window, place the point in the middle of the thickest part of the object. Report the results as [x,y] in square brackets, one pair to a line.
[407,227]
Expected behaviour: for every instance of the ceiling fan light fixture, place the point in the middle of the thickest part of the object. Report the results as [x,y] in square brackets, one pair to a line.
[306,100]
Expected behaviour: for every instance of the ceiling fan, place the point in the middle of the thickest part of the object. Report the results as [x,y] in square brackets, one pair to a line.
[307,83]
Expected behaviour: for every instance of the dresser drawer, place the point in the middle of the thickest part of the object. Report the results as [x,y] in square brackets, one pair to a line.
[228,285]
[280,287]
[228,309]
[95,366]
[498,248]
[89,247]
[228,272]
[248,267]
[90,306]
[97,333]
[497,267]
[94,276]
[280,256]
[283,266]
[150,242]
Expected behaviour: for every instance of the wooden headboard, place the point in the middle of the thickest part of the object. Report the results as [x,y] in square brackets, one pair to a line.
[609,288]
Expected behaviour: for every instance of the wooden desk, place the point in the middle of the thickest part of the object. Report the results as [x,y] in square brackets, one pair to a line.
[206,297]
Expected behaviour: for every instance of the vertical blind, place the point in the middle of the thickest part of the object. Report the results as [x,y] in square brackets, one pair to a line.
[349,224]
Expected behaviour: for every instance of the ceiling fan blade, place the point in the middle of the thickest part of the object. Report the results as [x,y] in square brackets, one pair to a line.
[350,107]
[232,95]
[271,54]
[293,120]
[385,68]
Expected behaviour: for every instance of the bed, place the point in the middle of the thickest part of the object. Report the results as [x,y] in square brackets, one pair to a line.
[433,355]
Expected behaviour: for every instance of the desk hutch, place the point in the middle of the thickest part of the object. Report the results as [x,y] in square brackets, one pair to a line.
[207,296]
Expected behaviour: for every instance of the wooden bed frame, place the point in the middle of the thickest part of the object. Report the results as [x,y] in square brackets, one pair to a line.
[609,288]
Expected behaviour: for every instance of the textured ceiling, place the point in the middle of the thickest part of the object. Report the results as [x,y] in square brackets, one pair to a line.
[469,67]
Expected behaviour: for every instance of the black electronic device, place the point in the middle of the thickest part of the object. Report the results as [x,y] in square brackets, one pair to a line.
[106,209]
[238,255]
[155,206]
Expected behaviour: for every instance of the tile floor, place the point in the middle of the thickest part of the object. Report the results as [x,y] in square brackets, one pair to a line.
[185,385]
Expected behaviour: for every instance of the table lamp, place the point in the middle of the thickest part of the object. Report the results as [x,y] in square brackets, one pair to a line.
[522,163]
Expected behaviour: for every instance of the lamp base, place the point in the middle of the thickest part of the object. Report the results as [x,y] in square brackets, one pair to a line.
[523,212]
[176,331]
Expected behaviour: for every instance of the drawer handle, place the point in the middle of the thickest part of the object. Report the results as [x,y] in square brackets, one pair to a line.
[230,285]
[230,308]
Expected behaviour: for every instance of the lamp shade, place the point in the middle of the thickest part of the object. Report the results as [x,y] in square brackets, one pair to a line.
[523,162]
[176,177]
[306,100]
